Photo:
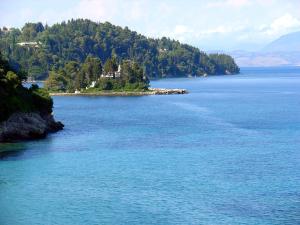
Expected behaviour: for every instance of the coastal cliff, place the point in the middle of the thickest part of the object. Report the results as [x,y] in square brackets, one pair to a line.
[26,126]
[25,113]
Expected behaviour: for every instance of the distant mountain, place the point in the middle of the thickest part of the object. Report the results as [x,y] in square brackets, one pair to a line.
[286,43]
[266,59]
[284,51]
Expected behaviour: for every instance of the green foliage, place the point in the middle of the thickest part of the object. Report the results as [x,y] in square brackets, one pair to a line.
[41,100]
[91,69]
[87,77]
[110,66]
[224,63]
[16,98]
[105,84]
[131,78]
[31,30]
[13,79]
[131,72]
[56,82]
[75,40]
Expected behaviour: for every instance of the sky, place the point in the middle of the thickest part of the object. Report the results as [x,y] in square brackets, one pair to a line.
[223,25]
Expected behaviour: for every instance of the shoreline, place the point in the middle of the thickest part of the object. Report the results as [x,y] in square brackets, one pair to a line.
[22,126]
[151,91]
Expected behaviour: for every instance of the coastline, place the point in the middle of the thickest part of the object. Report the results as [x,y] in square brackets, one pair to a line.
[22,126]
[151,91]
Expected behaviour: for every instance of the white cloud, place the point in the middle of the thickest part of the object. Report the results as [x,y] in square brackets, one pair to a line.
[217,30]
[95,9]
[164,8]
[135,9]
[283,24]
[221,30]
[229,3]
[181,29]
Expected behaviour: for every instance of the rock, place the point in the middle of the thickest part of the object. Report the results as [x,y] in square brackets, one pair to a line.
[27,126]
[150,91]
[52,125]
[164,91]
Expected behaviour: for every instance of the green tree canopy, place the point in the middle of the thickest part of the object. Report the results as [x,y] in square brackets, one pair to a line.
[75,40]
[16,98]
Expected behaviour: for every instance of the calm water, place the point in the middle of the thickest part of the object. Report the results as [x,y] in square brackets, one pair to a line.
[227,153]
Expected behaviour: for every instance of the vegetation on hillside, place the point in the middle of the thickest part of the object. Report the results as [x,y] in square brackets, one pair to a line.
[39,49]
[16,98]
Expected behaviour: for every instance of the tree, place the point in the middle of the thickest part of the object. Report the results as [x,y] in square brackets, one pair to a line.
[13,79]
[56,82]
[75,40]
[91,69]
[71,68]
[16,98]
[110,66]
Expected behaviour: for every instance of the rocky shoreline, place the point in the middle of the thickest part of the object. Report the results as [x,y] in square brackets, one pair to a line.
[150,91]
[28,126]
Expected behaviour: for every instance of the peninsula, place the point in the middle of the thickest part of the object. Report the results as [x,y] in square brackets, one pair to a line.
[150,91]
[123,78]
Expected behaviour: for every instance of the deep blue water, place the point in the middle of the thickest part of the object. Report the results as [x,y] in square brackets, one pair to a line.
[227,153]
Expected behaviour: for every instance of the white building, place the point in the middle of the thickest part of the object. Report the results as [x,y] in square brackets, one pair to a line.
[29,44]
[108,75]
[93,84]
[116,74]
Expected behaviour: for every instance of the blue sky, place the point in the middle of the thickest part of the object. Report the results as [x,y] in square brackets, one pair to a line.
[208,24]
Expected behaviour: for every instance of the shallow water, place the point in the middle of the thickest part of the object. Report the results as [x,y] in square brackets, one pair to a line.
[227,153]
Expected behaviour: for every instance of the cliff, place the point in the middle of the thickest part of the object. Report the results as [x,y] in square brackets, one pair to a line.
[25,113]
[26,126]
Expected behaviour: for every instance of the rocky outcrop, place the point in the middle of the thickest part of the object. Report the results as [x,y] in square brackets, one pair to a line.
[27,126]
[150,91]
[165,91]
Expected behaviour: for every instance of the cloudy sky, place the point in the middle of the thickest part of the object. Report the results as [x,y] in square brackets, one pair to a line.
[208,24]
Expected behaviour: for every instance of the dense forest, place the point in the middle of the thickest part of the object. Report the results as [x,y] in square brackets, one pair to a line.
[16,98]
[39,48]
[92,76]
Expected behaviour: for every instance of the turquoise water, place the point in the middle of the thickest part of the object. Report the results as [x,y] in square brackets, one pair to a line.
[227,153]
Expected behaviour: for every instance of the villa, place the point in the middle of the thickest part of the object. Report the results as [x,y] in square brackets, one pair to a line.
[116,74]
[29,44]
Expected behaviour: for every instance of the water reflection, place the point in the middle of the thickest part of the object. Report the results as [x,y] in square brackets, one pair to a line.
[12,150]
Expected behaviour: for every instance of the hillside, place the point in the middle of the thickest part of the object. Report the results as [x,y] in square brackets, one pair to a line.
[286,43]
[38,49]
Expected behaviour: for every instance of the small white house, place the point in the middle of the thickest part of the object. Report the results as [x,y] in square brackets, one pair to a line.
[93,84]
[108,75]
[29,44]
[116,74]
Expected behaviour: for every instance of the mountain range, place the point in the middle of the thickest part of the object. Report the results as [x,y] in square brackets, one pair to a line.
[284,51]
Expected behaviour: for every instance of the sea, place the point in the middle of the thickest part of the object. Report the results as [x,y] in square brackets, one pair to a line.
[226,153]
